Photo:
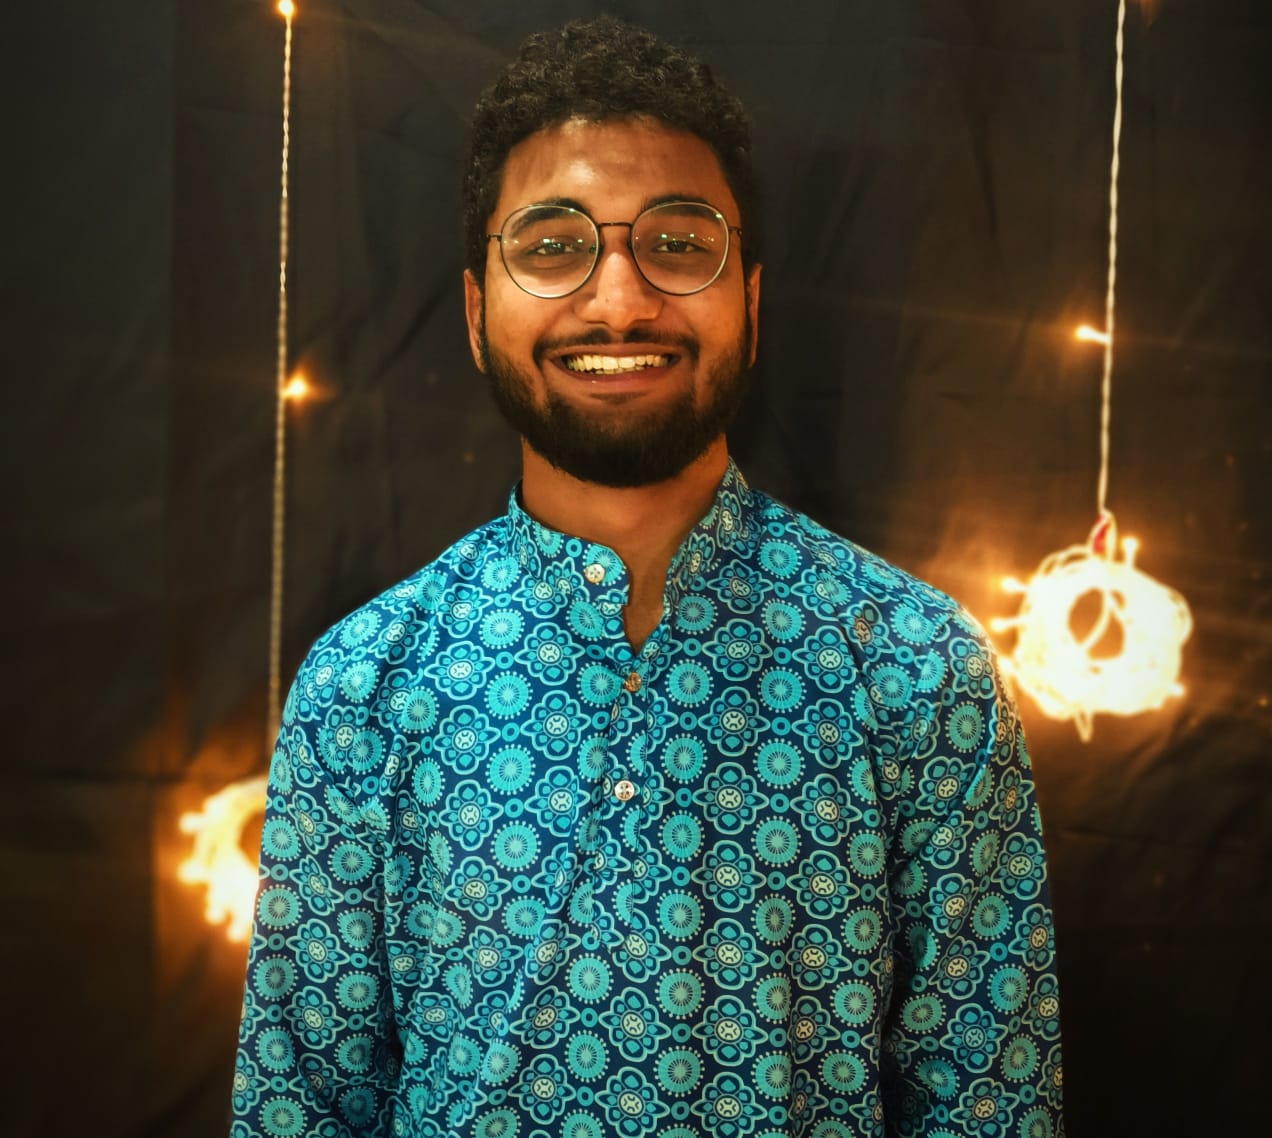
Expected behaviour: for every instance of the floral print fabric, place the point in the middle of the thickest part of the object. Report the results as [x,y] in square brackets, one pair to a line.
[779,873]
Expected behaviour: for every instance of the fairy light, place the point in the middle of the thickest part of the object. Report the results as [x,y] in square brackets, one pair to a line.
[296,388]
[1126,660]
[217,860]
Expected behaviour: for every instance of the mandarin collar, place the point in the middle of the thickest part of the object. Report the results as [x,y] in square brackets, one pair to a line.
[571,565]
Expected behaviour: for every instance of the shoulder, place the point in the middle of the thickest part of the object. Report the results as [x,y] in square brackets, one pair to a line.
[355,682]
[840,571]
[377,627]
[915,651]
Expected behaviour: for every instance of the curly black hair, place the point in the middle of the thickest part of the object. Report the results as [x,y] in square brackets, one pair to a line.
[601,70]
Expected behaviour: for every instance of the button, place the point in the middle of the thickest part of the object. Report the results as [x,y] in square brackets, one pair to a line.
[595,573]
[632,682]
[624,789]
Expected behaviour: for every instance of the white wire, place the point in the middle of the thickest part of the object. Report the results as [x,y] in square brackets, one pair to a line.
[280,424]
[1106,388]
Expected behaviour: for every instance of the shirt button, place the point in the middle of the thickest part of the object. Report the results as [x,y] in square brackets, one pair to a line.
[594,573]
[632,682]
[624,789]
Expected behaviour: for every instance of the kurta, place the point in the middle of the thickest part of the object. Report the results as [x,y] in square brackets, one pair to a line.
[778,873]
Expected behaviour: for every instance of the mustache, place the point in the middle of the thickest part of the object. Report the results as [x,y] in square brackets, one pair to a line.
[598,337]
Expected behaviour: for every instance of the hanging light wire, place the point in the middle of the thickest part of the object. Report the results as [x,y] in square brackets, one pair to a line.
[217,860]
[1106,386]
[1064,670]
[280,412]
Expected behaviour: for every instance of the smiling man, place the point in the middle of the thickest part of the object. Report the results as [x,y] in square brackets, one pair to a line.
[617,349]
[651,807]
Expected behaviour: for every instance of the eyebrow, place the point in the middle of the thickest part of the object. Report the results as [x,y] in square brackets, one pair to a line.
[663,199]
[569,203]
[648,203]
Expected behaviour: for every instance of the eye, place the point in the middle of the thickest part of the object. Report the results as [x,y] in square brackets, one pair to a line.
[680,238]
[551,247]
[543,239]
[676,244]
[549,256]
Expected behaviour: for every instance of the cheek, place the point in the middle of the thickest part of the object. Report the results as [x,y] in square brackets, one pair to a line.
[722,323]
[508,309]
[506,325]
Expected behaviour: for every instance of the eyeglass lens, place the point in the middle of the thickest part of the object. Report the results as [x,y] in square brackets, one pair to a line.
[549,250]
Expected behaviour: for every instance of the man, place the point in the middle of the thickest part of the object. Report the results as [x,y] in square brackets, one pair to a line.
[650,808]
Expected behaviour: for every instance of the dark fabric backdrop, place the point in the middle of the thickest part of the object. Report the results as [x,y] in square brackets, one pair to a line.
[935,179]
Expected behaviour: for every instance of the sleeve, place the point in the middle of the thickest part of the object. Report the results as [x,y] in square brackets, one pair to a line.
[972,1039]
[317,1051]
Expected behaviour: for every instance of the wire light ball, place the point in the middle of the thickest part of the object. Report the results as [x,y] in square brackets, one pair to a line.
[217,859]
[1122,660]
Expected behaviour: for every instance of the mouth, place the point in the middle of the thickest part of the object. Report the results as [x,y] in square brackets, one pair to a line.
[593,363]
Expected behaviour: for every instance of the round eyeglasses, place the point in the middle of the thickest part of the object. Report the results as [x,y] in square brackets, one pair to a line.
[550,250]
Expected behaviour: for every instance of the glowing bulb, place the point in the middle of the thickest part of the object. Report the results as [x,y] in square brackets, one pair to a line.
[217,859]
[286,9]
[296,388]
[1126,660]
[1090,335]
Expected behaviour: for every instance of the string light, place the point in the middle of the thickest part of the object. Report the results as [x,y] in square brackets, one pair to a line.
[280,405]
[217,860]
[296,389]
[1127,660]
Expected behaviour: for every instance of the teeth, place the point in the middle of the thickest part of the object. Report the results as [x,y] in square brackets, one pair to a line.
[613,365]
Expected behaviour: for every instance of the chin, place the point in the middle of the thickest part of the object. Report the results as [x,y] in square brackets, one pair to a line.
[644,450]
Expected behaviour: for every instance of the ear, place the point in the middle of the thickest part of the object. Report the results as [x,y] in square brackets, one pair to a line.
[474,303]
[753,310]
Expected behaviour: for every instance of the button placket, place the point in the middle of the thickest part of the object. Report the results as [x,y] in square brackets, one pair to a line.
[629,726]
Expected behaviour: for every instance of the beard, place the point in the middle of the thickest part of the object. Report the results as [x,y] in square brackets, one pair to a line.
[624,448]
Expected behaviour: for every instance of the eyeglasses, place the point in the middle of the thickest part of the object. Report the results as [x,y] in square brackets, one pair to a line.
[550,250]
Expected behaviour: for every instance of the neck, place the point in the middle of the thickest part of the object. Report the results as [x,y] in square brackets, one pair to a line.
[644,525]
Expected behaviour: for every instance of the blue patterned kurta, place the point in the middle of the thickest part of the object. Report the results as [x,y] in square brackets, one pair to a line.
[778,873]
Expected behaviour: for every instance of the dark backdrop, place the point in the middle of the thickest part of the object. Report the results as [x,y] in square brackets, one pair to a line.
[935,177]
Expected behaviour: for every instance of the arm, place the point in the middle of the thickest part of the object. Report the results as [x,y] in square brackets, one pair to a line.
[318,1053]
[972,1041]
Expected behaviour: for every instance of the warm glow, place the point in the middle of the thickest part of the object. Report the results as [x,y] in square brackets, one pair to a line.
[296,388]
[1126,660]
[1090,335]
[286,8]
[217,859]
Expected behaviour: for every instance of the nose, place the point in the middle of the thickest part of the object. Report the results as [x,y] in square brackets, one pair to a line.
[616,294]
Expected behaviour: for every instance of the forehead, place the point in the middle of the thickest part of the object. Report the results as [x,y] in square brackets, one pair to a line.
[612,169]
